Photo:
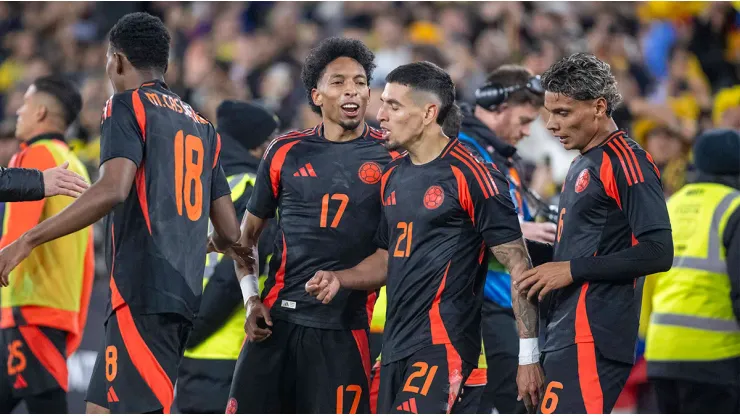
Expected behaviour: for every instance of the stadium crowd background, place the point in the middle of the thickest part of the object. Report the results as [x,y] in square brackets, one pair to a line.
[677,64]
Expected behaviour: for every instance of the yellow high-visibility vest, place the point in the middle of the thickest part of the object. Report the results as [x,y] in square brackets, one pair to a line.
[226,343]
[692,317]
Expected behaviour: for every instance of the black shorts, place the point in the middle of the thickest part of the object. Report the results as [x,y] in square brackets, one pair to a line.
[33,360]
[299,369]
[579,379]
[203,385]
[427,381]
[137,366]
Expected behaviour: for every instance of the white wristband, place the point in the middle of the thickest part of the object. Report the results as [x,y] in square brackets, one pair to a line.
[250,287]
[529,351]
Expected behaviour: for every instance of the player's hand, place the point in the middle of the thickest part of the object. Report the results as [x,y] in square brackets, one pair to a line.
[257,311]
[543,279]
[60,181]
[324,286]
[11,256]
[544,232]
[530,381]
[243,255]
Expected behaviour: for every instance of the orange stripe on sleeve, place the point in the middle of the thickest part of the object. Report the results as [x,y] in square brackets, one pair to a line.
[621,160]
[139,112]
[218,150]
[22,216]
[632,155]
[47,354]
[457,156]
[463,193]
[624,151]
[606,174]
[277,164]
[481,169]
[652,162]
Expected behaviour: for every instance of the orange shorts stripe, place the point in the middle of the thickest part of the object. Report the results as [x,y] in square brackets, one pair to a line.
[47,354]
[363,345]
[588,376]
[454,369]
[478,377]
[375,388]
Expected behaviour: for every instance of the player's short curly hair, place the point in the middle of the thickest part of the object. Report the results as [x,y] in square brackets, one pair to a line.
[329,50]
[582,76]
[426,76]
[65,92]
[144,40]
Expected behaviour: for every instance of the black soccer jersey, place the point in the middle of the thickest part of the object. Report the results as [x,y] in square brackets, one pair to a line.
[438,220]
[611,194]
[157,236]
[327,197]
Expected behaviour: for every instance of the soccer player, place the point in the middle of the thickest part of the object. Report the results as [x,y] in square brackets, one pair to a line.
[441,209]
[44,310]
[207,368]
[303,356]
[613,228]
[160,179]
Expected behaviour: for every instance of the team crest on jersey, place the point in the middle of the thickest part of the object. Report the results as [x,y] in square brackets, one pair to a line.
[434,197]
[231,406]
[582,182]
[370,173]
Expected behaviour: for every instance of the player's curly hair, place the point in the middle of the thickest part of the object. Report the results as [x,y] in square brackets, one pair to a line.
[329,50]
[582,76]
[65,92]
[426,76]
[144,40]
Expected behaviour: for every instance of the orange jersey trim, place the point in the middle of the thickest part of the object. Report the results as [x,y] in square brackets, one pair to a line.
[279,279]
[47,354]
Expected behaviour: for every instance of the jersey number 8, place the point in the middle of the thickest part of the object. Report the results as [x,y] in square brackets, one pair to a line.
[188,168]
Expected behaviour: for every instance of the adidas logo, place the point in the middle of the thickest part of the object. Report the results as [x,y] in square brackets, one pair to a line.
[112,396]
[408,406]
[20,383]
[306,170]
[391,200]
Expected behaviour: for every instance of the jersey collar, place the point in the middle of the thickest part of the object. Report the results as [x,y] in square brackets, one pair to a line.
[156,83]
[365,131]
[45,136]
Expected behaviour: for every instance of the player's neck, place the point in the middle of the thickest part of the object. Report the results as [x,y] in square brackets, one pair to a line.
[602,133]
[428,147]
[141,77]
[44,129]
[336,133]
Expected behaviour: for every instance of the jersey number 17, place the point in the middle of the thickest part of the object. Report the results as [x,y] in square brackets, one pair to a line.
[188,169]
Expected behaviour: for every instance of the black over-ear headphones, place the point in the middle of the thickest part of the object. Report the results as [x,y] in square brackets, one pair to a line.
[492,95]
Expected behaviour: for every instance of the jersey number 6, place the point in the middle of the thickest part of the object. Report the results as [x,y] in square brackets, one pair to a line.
[188,168]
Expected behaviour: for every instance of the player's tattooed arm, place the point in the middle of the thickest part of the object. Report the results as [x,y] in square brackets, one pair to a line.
[514,256]
[369,274]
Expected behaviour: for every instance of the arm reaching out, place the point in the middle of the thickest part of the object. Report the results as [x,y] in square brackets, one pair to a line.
[530,378]
[370,274]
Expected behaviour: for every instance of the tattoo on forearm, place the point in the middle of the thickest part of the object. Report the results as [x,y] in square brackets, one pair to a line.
[515,258]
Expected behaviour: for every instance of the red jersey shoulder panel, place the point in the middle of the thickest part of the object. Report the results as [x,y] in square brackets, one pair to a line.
[477,173]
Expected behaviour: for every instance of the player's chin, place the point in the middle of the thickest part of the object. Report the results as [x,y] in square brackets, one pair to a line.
[350,123]
[392,145]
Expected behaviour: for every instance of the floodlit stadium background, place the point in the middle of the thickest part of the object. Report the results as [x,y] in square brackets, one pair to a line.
[678,66]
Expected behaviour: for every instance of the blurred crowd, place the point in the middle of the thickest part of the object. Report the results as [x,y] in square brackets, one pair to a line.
[677,64]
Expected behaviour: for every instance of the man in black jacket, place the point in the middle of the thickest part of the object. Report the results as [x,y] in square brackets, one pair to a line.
[218,333]
[18,184]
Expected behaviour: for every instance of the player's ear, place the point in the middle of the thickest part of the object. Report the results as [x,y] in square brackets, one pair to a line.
[316,97]
[430,114]
[600,107]
[41,112]
[119,63]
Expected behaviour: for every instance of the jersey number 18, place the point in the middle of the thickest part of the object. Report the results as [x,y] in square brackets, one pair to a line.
[188,168]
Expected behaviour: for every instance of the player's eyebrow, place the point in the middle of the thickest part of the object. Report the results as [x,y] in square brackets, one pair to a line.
[391,101]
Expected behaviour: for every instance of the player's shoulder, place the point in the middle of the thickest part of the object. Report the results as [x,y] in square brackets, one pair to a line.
[397,160]
[621,156]
[290,139]
[119,104]
[477,173]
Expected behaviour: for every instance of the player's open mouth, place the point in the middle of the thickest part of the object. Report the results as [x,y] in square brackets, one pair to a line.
[563,139]
[351,110]
[386,133]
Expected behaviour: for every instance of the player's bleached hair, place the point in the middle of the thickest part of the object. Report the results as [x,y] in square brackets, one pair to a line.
[582,76]
[428,77]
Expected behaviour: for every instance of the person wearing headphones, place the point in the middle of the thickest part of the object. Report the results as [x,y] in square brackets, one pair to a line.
[504,109]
